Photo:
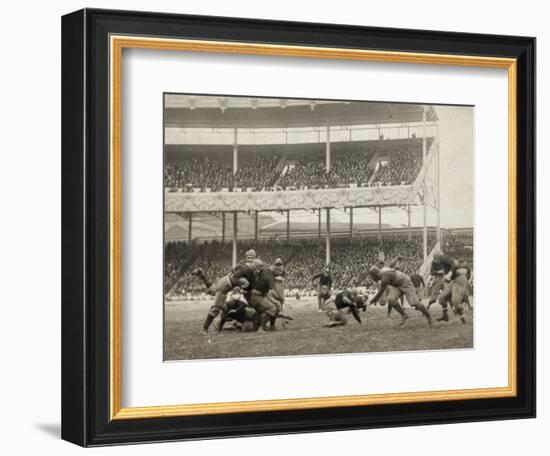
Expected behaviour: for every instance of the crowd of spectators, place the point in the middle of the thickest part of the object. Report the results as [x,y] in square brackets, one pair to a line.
[198,172]
[402,162]
[258,172]
[347,167]
[350,259]
[403,165]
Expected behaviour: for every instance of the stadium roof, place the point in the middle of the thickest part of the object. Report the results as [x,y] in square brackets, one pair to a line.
[193,111]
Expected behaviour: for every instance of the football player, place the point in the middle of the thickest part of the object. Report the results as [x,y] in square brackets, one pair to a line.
[325,280]
[246,271]
[265,299]
[401,285]
[437,274]
[343,302]
[236,308]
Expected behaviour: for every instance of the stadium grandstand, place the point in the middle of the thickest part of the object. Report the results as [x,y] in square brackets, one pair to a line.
[312,182]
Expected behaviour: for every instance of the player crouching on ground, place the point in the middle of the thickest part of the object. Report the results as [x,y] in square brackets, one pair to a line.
[401,285]
[336,307]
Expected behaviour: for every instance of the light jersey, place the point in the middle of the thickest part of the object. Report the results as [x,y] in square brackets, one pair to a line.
[235,298]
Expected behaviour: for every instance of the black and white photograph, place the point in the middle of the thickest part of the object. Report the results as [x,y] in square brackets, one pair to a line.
[311,226]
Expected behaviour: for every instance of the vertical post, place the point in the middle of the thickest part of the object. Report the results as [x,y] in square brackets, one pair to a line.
[287,225]
[379,223]
[235,152]
[319,227]
[256,226]
[234,259]
[328,149]
[409,236]
[223,228]
[190,229]
[438,232]
[424,206]
[328,237]
[351,222]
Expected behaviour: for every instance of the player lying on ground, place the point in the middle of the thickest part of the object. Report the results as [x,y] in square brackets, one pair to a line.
[243,275]
[241,314]
[401,285]
[237,310]
[256,304]
[338,305]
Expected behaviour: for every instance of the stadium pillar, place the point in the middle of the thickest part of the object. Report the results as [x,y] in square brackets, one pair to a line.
[327,261]
[328,149]
[190,229]
[350,222]
[438,231]
[379,223]
[234,259]
[235,152]
[424,206]
[223,227]
[256,226]
[288,225]
[319,227]
[409,223]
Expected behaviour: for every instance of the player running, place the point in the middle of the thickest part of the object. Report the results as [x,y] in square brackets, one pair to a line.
[437,273]
[419,285]
[345,301]
[456,288]
[401,285]
[384,265]
[325,280]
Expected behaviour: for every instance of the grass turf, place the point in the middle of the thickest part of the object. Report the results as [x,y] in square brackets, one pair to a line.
[306,335]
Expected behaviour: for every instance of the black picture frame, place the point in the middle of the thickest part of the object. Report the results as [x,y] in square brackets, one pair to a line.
[85,228]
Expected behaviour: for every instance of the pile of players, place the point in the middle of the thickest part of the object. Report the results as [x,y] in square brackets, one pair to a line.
[251,296]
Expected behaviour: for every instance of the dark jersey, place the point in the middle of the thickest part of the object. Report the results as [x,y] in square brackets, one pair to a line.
[436,268]
[344,299]
[278,271]
[244,271]
[324,279]
[417,280]
[448,263]
[265,282]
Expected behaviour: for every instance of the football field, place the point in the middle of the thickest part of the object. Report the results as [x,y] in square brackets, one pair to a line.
[306,334]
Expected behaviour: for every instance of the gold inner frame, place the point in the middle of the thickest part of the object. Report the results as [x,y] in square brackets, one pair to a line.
[117,44]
